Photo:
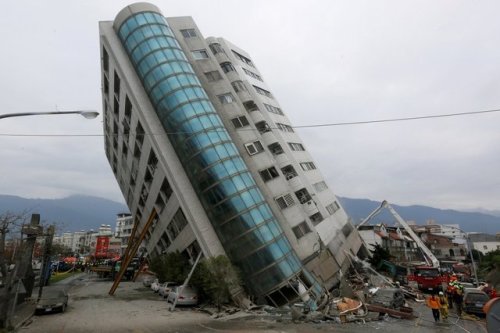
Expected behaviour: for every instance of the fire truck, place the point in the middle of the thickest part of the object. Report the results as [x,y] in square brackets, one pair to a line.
[428,277]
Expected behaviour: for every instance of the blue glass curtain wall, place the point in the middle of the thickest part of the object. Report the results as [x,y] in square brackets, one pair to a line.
[242,219]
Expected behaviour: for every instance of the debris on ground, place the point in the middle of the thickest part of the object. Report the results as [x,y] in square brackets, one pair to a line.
[362,295]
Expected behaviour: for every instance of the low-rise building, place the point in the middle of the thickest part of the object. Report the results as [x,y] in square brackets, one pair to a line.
[484,242]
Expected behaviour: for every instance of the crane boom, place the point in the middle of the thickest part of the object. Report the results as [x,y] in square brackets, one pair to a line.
[429,257]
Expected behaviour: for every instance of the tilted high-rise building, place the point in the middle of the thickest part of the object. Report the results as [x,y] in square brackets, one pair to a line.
[193,132]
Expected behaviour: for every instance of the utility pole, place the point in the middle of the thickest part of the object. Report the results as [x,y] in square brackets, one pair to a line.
[45,269]
[23,270]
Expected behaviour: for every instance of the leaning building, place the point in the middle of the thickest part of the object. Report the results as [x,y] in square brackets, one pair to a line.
[193,132]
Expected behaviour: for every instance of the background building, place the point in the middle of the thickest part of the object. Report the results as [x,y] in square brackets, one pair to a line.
[123,230]
[194,133]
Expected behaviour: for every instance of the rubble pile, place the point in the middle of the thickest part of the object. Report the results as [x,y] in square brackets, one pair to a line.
[362,295]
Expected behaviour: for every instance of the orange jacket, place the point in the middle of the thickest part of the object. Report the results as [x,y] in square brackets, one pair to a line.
[433,303]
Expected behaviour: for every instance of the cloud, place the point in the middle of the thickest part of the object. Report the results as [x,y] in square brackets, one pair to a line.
[325,61]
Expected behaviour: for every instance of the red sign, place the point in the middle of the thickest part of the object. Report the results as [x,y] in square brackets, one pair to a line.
[102,246]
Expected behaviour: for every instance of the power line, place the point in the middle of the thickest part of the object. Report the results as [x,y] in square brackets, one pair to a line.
[401,119]
[457,114]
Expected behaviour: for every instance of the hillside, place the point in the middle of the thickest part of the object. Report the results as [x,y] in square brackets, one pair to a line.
[73,213]
[80,212]
[358,209]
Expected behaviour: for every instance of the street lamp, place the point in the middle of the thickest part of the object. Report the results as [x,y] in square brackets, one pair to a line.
[86,114]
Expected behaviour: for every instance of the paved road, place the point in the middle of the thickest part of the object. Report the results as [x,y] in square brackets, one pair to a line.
[136,309]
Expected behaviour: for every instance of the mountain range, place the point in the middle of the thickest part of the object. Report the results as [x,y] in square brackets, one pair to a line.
[73,213]
[80,212]
[358,209]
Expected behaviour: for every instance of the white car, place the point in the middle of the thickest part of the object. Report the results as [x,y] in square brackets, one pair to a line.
[155,285]
[165,288]
[188,296]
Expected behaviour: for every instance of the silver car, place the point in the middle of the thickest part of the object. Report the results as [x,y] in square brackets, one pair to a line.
[185,295]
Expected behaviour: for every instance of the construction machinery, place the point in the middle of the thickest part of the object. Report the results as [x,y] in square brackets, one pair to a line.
[428,277]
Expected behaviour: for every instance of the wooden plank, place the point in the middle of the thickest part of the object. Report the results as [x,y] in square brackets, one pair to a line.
[392,312]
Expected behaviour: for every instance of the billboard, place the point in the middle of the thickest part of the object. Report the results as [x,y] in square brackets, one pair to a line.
[102,246]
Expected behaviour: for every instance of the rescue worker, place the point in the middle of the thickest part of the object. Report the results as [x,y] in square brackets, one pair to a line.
[450,290]
[458,299]
[433,303]
[443,305]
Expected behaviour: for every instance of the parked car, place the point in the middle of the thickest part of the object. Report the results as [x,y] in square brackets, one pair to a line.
[474,300]
[155,285]
[52,300]
[188,295]
[389,297]
[148,280]
[165,288]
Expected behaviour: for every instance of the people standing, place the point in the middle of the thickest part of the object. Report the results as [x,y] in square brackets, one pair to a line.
[450,290]
[433,303]
[458,299]
[443,305]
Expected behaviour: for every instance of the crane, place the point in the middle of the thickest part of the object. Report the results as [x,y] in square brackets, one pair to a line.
[429,257]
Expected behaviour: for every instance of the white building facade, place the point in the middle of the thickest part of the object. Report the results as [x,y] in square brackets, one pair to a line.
[194,133]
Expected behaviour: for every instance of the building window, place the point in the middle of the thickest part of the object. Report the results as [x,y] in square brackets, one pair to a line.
[165,190]
[216,48]
[227,67]
[152,162]
[188,33]
[333,207]
[128,109]
[262,127]
[200,54]
[485,247]
[285,201]
[296,146]
[243,58]
[320,186]
[254,147]
[250,106]
[273,109]
[240,122]
[226,98]
[252,74]
[301,230]
[160,203]
[275,148]
[193,250]
[166,240]
[116,84]
[239,86]
[106,85]
[116,106]
[303,196]
[285,128]
[269,174]
[289,172]
[316,218]
[139,132]
[263,92]
[105,60]
[306,166]
[177,224]
[213,76]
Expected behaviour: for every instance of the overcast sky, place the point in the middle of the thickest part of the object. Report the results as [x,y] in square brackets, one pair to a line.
[325,61]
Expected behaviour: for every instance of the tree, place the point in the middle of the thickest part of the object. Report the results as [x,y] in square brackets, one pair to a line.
[10,224]
[378,254]
[219,279]
[172,266]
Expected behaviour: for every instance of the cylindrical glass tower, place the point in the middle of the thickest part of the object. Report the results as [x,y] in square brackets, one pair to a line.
[241,217]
